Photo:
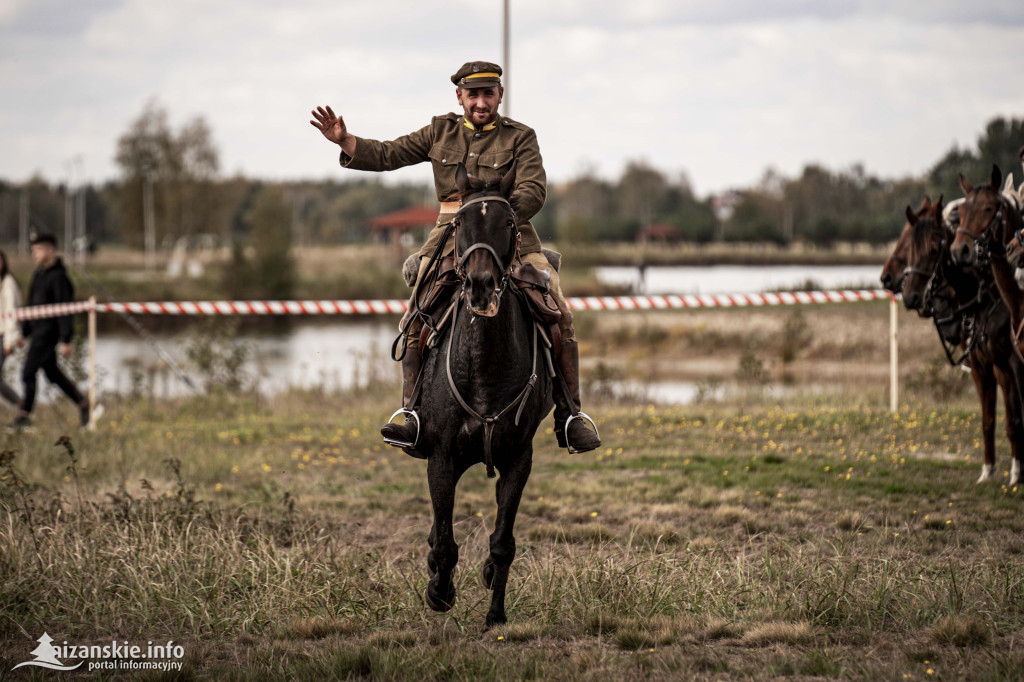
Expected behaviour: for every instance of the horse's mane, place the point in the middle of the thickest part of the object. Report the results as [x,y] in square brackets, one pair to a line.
[930,223]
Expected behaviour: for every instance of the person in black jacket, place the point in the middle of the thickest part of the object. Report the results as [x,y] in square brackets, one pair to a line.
[46,337]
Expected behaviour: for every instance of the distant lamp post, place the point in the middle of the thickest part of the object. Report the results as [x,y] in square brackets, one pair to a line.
[149,219]
[505,57]
[23,218]
[69,204]
[77,247]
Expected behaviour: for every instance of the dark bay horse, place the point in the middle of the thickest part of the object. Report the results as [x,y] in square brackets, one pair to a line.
[895,265]
[988,220]
[486,389]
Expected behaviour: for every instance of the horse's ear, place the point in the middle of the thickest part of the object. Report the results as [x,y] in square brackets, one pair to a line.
[461,177]
[938,206]
[508,181]
[997,177]
[965,186]
[911,216]
[925,203]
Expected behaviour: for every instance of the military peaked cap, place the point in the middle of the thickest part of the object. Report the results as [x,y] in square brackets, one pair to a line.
[478,75]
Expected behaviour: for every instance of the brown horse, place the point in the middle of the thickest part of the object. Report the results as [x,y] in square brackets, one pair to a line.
[896,264]
[989,220]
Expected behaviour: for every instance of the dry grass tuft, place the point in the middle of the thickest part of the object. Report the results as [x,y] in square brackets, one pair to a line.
[632,638]
[525,632]
[591,533]
[778,633]
[962,631]
[657,533]
[722,628]
[317,628]
[851,521]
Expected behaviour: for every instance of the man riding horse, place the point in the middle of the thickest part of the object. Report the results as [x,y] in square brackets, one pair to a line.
[487,145]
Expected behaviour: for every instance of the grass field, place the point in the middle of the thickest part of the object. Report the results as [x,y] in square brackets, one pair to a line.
[277,539]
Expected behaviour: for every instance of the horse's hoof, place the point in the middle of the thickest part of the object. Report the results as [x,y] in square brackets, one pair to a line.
[494,619]
[986,472]
[438,604]
[487,575]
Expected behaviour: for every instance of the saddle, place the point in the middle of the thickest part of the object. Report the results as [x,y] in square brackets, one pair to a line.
[532,283]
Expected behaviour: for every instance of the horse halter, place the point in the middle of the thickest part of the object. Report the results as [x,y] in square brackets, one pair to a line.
[930,282]
[513,245]
[982,243]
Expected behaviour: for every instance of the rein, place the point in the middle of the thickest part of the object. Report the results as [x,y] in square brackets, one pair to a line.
[506,272]
[489,422]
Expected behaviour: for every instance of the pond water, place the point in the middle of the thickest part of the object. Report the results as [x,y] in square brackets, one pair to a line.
[733,279]
[346,353]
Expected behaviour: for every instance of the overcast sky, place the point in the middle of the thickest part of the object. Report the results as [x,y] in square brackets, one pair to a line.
[720,91]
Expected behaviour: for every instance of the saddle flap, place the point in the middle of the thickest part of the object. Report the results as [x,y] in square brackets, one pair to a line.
[526,273]
[536,285]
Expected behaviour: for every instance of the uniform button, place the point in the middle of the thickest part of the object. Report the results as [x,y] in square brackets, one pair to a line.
[476,136]
[495,165]
[472,154]
[444,160]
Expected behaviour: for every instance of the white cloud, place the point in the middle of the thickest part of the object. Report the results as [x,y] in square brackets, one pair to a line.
[722,90]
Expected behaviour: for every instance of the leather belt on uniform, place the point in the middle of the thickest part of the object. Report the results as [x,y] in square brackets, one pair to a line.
[451,206]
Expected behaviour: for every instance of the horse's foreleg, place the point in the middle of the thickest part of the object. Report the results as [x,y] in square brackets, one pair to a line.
[1015,423]
[985,384]
[509,492]
[444,552]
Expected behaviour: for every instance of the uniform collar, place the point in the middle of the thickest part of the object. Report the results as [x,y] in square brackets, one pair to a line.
[490,126]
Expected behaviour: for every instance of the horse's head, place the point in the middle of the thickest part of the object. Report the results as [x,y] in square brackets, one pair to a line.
[980,234]
[895,265]
[486,239]
[926,248]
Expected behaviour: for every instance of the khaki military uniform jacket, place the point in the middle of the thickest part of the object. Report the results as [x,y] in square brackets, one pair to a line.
[487,154]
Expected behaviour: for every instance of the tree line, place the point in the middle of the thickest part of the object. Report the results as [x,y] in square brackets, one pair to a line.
[178,173]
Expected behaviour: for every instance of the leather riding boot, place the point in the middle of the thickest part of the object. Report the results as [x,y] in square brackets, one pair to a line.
[579,438]
[407,432]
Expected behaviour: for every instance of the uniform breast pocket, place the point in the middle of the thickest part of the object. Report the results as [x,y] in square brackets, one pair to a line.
[444,161]
[496,163]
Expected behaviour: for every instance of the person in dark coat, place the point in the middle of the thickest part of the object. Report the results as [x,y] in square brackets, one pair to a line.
[47,337]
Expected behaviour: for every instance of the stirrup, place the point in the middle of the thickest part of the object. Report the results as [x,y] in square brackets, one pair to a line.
[569,420]
[402,444]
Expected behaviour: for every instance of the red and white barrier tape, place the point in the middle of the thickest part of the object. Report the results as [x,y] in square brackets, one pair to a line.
[395,306]
[724,300]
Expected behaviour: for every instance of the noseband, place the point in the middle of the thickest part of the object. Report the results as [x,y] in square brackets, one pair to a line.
[513,243]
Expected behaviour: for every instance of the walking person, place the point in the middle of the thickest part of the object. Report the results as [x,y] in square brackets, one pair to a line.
[10,332]
[486,144]
[47,337]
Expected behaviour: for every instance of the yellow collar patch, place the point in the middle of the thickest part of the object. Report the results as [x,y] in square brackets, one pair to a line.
[490,126]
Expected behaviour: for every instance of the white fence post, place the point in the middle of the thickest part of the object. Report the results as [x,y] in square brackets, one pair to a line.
[894,367]
[92,358]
